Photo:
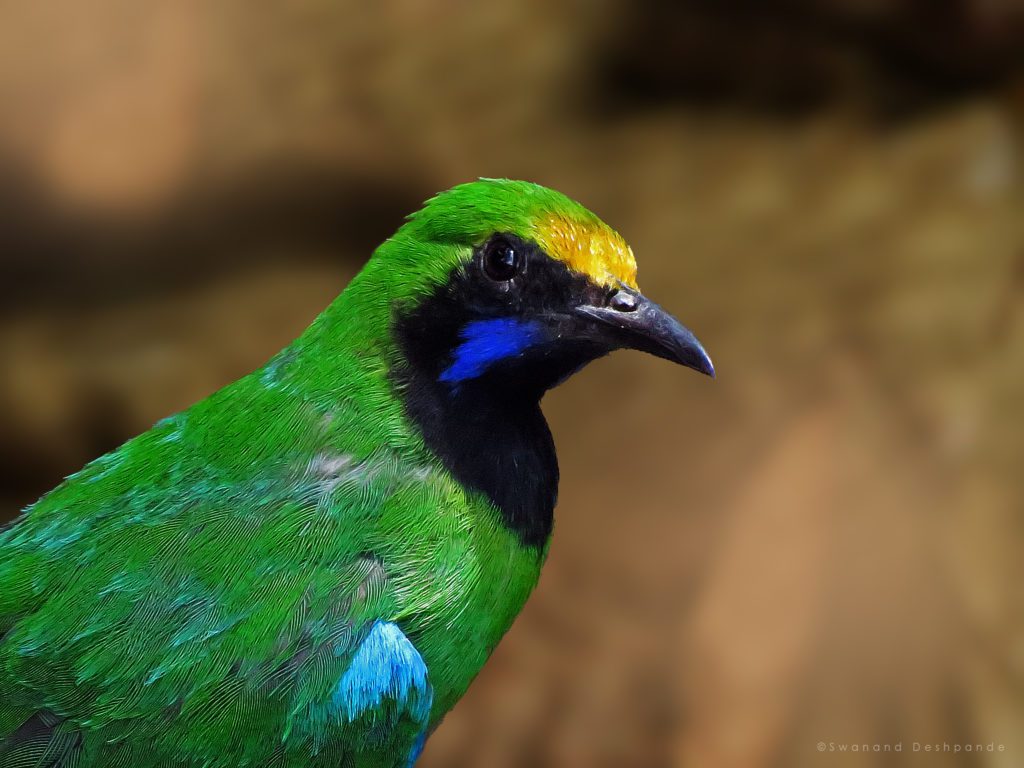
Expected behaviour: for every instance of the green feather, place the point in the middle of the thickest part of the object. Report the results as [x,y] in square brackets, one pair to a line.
[192,598]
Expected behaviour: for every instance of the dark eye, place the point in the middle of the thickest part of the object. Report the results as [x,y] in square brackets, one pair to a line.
[502,260]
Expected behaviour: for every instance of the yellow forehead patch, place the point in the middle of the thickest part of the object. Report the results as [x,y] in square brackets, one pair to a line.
[592,248]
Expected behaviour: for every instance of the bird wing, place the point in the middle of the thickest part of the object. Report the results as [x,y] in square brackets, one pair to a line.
[155,611]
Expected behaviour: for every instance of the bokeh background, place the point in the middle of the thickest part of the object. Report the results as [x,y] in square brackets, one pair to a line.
[824,545]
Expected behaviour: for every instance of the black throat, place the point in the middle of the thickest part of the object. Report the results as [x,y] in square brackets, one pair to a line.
[496,446]
[489,431]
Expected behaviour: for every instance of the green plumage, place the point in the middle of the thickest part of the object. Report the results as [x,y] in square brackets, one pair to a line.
[192,598]
[195,598]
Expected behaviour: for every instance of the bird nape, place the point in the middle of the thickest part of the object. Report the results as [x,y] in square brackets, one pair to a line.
[309,567]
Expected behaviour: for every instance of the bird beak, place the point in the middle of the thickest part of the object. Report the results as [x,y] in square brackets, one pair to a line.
[635,322]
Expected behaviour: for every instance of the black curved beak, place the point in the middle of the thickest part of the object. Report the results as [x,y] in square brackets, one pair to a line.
[635,322]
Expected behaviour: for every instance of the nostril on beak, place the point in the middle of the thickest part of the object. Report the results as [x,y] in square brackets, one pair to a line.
[622,301]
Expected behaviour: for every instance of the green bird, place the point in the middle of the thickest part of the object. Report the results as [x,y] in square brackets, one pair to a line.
[309,567]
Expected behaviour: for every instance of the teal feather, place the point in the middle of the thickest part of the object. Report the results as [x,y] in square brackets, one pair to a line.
[198,597]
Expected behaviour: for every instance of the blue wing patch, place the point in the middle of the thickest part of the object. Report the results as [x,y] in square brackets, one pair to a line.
[386,664]
[485,342]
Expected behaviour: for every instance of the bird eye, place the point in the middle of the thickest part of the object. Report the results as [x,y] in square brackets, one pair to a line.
[502,261]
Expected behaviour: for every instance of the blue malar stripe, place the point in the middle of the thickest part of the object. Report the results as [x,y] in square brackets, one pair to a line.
[485,342]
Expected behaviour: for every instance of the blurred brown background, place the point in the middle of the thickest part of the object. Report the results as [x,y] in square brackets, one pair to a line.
[824,545]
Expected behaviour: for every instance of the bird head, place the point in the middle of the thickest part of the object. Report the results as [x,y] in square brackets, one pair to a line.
[512,286]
